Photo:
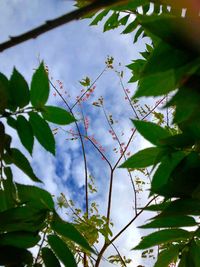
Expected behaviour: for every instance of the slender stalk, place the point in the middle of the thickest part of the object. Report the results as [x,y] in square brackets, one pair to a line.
[93,83]
[122,260]
[82,146]
[106,245]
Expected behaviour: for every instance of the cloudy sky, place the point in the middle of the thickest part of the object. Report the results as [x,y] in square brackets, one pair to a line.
[71,53]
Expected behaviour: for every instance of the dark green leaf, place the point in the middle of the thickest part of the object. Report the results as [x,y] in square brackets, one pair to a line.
[62,251]
[172,30]
[162,174]
[3,202]
[151,131]
[68,231]
[19,239]
[167,256]
[173,221]
[35,196]
[142,159]
[57,115]
[25,133]
[16,257]
[9,188]
[16,157]
[12,122]
[4,92]
[2,138]
[39,87]
[194,253]
[19,89]
[156,84]
[42,132]
[168,57]
[22,219]
[137,34]
[124,20]
[131,27]
[99,17]
[163,236]
[49,258]
[112,22]
[182,207]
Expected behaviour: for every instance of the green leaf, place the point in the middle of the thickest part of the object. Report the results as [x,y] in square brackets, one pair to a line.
[49,258]
[162,174]
[57,115]
[12,122]
[42,132]
[22,219]
[25,133]
[19,89]
[9,188]
[185,206]
[16,157]
[194,253]
[39,87]
[142,159]
[68,231]
[62,251]
[99,17]
[151,131]
[12,256]
[163,236]
[172,59]
[2,138]
[138,34]
[4,92]
[131,27]
[124,20]
[167,256]
[3,201]
[112,22]
[171,30]
[156,84]
[19,239]
[171,221]
[35,196]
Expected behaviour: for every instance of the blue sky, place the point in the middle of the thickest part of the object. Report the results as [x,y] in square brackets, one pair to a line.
[73,52]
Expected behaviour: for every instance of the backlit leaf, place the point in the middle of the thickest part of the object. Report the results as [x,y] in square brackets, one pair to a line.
[57,115]
[49,258]
[62,251]
[142,159]
[42,132]
[39,87]
[25,133]
[19,89]
[151,131]
[163,236]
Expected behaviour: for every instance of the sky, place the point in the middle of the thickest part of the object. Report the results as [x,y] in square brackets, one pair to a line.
[71,53]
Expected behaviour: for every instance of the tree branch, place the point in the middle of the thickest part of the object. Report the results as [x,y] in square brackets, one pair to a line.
[57,22]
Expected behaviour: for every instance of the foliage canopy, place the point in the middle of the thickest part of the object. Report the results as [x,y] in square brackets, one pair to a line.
[170,66]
